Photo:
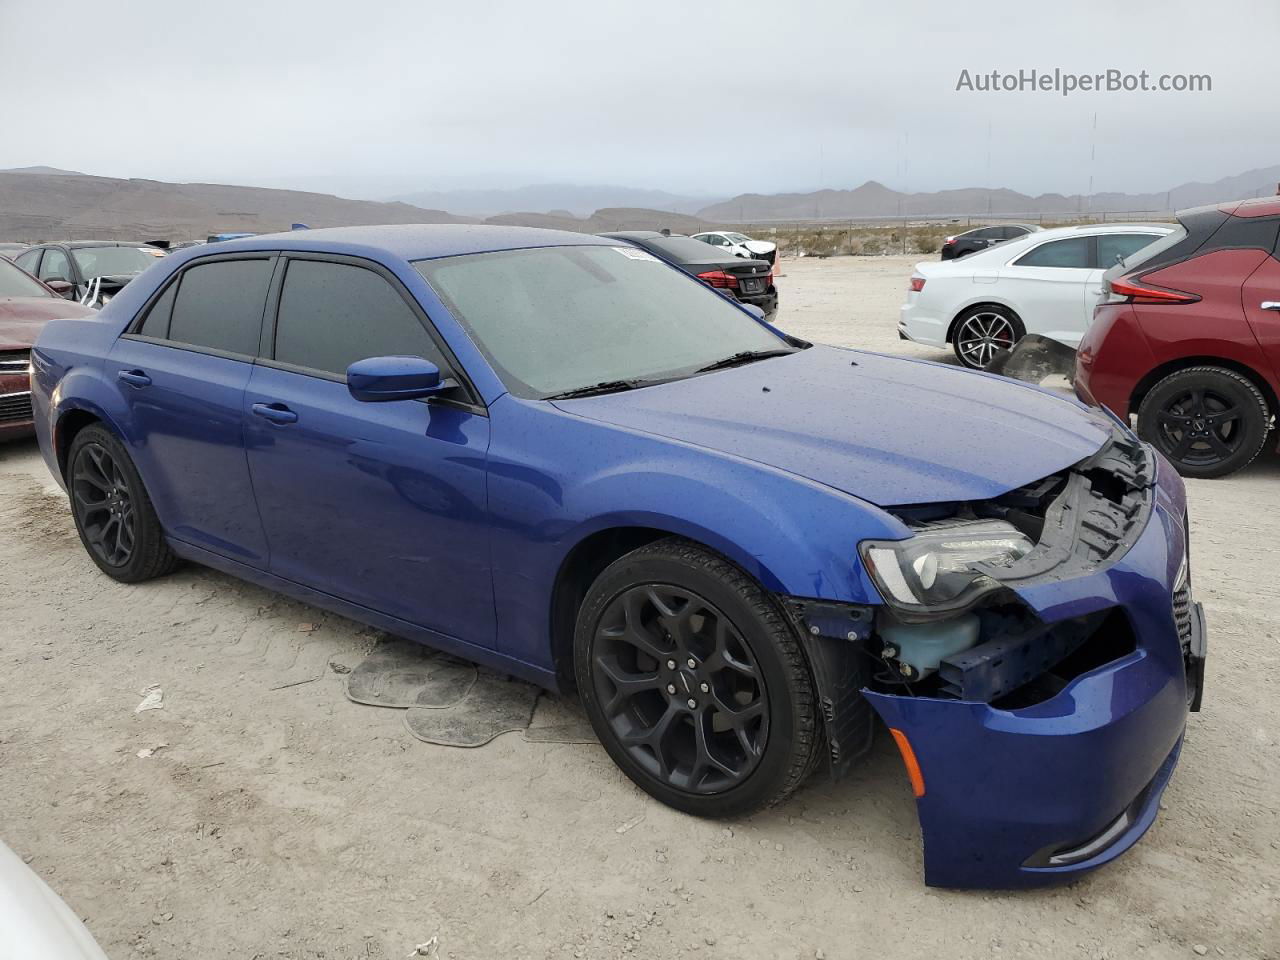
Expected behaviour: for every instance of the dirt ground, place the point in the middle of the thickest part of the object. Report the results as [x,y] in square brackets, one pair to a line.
[279,820]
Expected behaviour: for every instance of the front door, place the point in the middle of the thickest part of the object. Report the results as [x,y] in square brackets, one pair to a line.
[1047,285]
[380,504]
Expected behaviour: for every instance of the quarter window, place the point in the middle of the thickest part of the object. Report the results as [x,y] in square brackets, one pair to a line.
[333,314]
[219,305]
[1070,253]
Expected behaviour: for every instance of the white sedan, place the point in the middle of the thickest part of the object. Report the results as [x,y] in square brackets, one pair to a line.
[1047,283]
[740,245]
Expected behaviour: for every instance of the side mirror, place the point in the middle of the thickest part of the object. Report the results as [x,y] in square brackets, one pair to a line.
[59,286]
[752,309]
[379,379]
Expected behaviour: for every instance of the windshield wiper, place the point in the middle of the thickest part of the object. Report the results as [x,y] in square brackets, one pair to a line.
[746,356]
[605,386]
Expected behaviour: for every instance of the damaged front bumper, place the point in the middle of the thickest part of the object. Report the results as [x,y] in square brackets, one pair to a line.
[1030,794]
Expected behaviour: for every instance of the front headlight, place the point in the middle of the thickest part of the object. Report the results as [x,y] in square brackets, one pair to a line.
[933,572]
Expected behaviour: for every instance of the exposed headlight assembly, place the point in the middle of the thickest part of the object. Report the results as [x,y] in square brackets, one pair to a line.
[933,573]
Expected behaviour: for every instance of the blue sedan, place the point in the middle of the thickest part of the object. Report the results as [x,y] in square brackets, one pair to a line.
[563,458]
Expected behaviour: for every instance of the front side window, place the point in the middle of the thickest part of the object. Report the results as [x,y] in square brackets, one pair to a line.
[114,261]
[554,319]
[1070,253]
[55,265]
[219,305]
[15,283]
[333,314]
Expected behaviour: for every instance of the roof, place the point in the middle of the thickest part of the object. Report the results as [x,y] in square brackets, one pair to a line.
[412,241]
[1256,207]
[637,234]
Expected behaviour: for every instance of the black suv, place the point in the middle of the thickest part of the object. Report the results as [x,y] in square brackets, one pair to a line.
[983,237]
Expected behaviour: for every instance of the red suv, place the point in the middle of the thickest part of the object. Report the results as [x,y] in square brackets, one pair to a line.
[1187,336]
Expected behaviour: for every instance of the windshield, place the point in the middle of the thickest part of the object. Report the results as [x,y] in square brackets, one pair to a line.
[738,238]
[15,283]
[554,319]
[114,261]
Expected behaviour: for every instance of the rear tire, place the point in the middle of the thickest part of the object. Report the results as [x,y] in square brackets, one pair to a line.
[694,681]
[982,331]
[1209,421]
[112,511]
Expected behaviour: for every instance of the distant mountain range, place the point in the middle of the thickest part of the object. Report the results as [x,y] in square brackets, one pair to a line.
[874,199]
[41,203]
[577,200]
[38,203]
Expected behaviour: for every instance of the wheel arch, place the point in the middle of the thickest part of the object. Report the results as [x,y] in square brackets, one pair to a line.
[70,421]
[595,550]
[1156,374]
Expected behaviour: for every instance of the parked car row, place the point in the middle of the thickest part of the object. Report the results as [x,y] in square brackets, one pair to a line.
[1178,326]
[740,548]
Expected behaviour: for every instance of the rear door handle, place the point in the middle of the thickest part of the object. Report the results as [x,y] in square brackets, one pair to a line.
[275,412]
[1271,304]
[134,378]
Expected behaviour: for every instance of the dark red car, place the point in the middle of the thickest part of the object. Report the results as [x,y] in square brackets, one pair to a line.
[1187,336]
[26,305]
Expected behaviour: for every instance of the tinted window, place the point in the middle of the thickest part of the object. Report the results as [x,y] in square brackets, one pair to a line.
[15,283]
[989,233]
[55,266]
[332,315]
[219,305]
[28,261]
[157,322]
[1011,233]
[678,249]
[1072,252]
[1112,245]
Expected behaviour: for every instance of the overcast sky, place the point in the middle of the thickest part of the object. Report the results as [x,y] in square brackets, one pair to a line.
[383,96]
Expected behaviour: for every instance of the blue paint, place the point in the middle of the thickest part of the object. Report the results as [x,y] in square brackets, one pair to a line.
[450,523]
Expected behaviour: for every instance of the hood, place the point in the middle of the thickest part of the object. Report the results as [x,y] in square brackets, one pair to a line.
[884,430]
[22,318]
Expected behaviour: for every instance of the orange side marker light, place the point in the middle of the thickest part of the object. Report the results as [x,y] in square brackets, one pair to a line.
[909,758]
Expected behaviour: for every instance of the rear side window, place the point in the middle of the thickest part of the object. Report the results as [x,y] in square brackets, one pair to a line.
[219,305]
[1113,245]
[333,314]
[1072,252]
[28,261]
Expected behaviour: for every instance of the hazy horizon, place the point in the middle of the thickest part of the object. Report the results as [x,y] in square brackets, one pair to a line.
[385,100]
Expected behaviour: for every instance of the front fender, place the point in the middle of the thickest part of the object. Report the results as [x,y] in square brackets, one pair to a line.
[797,537]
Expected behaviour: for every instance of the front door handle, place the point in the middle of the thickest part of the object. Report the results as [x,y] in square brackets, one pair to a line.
[134,378]
[275,412]
[1271,304]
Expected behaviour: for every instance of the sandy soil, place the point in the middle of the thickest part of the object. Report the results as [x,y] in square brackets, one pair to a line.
[279,820]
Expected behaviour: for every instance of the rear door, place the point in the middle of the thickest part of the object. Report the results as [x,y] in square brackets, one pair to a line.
[182,370]
[1045,286]
[380,504]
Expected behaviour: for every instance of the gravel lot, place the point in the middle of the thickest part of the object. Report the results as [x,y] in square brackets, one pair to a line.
[284,821]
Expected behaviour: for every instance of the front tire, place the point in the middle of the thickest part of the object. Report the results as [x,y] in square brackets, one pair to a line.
[113,514]
[1209,421]
[982,331]
[694,681]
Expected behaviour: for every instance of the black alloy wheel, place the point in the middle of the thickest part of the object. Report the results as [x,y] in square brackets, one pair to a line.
[694,680]
[1209,421]
[103,503]
[680,688]
[112,511]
